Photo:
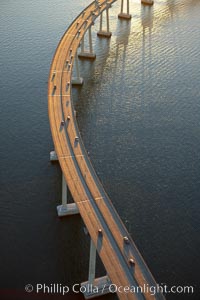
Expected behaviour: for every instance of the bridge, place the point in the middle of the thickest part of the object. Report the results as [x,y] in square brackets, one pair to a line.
[123,263]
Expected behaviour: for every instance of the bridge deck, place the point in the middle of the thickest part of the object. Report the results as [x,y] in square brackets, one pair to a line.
[94,205]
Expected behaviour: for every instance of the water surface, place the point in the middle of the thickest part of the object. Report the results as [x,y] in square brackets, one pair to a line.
[138,113]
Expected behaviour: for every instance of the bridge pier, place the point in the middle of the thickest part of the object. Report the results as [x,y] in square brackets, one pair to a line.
[147,2]
[95,287]
[122,14]
[78,80]
[53,156]
[87,54]
[104,33]
[66,209]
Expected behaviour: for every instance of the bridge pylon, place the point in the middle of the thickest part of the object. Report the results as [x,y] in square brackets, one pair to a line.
[124,15]
[105,33]
[95,287]
[85,53]
[78,80]
[66,209]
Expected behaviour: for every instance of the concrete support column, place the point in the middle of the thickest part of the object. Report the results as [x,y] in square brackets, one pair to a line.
[65,208]
[92,263]
[122,6]
[64,191]
[82,45]
[104,33]
[90,39]
[102,283]
[77,66]
[127,7]
[101,21]
[77,80]
[87,54]
[107,19]
[124,15]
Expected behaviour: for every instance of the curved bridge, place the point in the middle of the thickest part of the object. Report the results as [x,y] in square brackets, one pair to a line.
[122,260]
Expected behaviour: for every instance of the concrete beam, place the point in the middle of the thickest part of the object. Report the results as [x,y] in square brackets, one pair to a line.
[147,2]
[53,156]
[67,210]
[99,287]
[104,33]
[77,81]
[87,55]
[124,16]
